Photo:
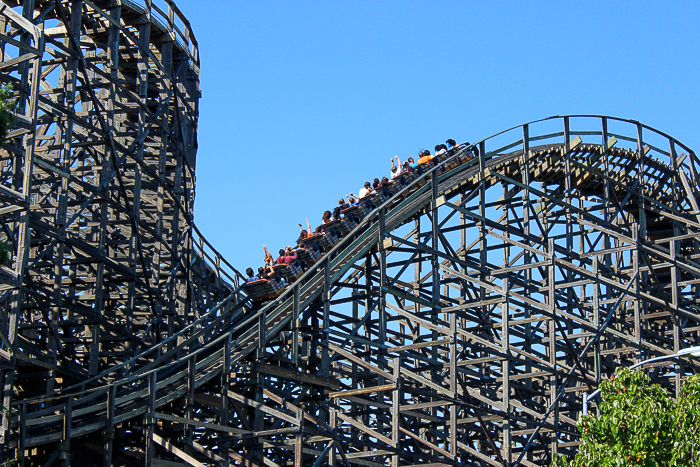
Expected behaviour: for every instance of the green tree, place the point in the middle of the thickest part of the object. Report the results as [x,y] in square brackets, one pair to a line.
[4,252]
[7,109]
[640,425]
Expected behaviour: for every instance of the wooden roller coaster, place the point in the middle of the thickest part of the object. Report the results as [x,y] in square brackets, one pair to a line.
[460,319]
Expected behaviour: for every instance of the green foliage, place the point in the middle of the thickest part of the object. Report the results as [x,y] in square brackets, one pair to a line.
[640,425]
[4,254]
[686,447]
[7,108]
[7,118]
[5,412]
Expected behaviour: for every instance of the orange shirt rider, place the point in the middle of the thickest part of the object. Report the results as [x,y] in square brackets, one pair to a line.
[426,157]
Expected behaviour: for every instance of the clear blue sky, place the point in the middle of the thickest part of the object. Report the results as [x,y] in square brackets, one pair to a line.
[304,101]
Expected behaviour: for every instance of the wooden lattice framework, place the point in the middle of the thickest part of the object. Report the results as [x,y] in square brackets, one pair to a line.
[97,189]
[461,322]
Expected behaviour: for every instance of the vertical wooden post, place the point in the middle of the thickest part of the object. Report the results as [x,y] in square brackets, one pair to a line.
[505,369]
[325,358]
[299,441]
[332,422]
[597,363]
[395,408]
[150,420]
[382,277]
[552,334]
[674,247]
[22,434]
[67,422]
[526,207]
[454,374]
[225,387]
[262,335]
[638,281]
[189,408]
[295,326]
[109,428]
[435,261]
[641,232]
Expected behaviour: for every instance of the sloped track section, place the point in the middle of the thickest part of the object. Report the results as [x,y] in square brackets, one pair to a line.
[460,323]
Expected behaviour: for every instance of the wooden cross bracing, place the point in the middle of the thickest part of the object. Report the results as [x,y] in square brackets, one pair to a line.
[460,322]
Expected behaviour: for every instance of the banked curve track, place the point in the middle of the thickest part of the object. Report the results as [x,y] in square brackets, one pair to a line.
[459,323]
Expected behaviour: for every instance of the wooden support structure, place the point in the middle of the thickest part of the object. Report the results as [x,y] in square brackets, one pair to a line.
[456,319]
[96,199]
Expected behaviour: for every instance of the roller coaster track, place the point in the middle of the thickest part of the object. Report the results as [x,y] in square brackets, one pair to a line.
[460,322]
[566,249]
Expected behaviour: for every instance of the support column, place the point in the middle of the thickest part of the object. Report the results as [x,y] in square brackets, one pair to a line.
[395,406]
[552,347]
[109,430]
[150,449]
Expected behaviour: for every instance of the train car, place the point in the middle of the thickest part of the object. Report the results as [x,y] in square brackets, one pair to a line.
[308,255]
[291,272]
[263,290]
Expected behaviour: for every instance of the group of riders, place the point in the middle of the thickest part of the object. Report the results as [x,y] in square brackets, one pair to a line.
[311,244]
